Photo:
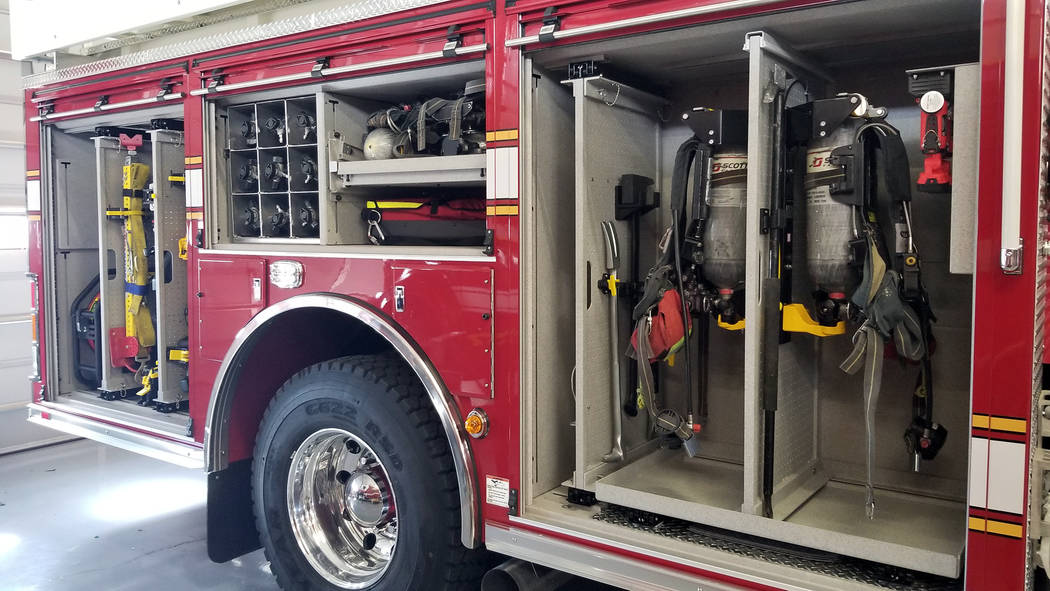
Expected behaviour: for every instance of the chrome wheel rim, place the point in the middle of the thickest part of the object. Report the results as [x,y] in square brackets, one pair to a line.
[342,508]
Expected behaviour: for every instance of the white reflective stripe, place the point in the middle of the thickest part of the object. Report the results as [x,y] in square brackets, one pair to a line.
[109,107]
[1006,471]
[194,187]
[1013,119]
[33,195]
[490,173]
[978,472]
[501,170]
[396,61]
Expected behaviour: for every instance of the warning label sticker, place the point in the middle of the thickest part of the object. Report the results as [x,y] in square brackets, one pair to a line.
[497,491]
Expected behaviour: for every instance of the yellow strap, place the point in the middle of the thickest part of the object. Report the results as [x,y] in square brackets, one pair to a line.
[137,320]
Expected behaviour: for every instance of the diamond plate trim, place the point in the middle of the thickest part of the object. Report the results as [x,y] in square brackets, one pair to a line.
[347,13]
[825,563]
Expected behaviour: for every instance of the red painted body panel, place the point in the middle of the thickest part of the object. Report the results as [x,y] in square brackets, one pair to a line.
[1004,311]
[478,357]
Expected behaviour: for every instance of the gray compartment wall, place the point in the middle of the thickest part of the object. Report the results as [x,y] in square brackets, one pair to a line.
[70,201]
[548,235]
[951,297]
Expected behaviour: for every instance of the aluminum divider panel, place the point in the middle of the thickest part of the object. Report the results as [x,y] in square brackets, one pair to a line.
[617,133]
[796,470]
[109,161]
[169,226]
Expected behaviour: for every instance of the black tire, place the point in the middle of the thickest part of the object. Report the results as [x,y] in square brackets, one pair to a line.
[380,401]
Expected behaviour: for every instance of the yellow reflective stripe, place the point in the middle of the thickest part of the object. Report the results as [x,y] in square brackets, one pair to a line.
[392,205]
[501,136]
[501,210]
[1004,424]
[1000,423]
[1004,529]
[1001,528]
[194,159]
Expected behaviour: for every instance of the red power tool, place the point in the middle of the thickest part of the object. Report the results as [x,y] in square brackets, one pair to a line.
[932,90]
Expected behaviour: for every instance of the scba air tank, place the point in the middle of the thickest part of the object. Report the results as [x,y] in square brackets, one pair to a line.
[725,244]
[829,222]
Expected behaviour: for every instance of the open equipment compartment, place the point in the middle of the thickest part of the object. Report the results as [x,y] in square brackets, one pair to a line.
[813,467]
[306,165]
[101,370]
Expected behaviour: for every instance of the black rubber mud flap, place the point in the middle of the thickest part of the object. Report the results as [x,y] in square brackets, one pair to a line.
[231,522]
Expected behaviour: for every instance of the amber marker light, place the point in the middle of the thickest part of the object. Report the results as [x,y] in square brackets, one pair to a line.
[476,424]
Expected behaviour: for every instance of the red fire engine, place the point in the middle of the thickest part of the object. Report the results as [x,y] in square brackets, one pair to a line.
[708,294]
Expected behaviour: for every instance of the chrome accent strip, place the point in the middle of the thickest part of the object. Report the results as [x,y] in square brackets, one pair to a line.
[643,20]
[327,253]
[357,11]
[216,432]
[308,75]
[1011,249]
[110,106]
[599,565]
[140,443]
[635,549]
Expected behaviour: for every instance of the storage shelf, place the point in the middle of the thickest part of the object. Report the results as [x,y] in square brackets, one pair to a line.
[465,169]
[909,531]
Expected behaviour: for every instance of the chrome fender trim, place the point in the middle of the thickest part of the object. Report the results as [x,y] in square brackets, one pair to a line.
[216,428]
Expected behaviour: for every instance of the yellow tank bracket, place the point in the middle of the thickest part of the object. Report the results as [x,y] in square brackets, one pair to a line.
[738,325]
[148,379]
[184,252]
[179,355]
[797,319]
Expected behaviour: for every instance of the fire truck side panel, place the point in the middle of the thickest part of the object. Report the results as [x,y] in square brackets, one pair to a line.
[459,318]
[1003,374]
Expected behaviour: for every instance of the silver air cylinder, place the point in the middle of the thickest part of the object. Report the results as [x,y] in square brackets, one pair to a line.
[829,223]
[725,244]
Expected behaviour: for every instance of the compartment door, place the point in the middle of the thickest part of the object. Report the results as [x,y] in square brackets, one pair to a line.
[340,122]
[169,226]
[617,133]
[231,293]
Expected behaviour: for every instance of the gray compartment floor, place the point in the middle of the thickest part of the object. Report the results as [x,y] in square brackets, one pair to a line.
[909,531]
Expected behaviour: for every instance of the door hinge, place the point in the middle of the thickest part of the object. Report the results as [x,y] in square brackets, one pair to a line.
[512,503]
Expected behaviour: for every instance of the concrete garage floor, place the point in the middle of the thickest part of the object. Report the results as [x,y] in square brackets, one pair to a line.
[82,516]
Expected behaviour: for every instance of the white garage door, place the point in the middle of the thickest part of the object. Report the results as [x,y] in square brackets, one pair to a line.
[15,329]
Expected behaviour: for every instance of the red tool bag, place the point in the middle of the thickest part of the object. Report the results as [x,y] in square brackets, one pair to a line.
[666,328]
[425,220]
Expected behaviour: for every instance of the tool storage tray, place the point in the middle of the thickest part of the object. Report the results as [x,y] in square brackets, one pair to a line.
[299,165]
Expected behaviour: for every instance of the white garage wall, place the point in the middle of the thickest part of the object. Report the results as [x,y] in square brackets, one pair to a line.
[15,328]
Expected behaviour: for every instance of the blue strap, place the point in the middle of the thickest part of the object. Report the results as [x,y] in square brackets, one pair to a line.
[133,289]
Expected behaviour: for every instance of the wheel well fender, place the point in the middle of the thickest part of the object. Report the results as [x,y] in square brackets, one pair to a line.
[239,394]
